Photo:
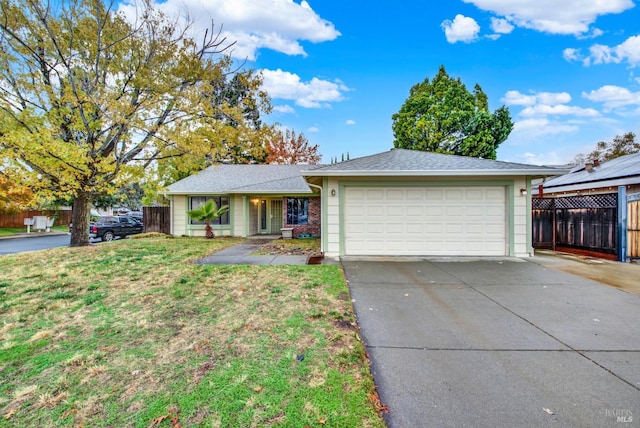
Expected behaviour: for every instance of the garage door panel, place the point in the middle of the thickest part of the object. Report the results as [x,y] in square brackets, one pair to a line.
[454,194]
[425,221]
[394,228]
[414,194]
[456,211]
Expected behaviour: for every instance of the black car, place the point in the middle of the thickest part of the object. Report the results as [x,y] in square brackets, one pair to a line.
[109,227]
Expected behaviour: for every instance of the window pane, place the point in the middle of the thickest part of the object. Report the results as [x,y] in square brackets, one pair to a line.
[297,211]
[197,201]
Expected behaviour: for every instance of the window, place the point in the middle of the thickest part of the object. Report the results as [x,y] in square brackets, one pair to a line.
[297,210]
[196,201]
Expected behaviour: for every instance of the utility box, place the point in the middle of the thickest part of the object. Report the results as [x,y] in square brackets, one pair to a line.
[40,222]
[28,222]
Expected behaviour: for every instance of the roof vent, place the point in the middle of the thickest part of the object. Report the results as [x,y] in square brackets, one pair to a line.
[596,162]
[588,166]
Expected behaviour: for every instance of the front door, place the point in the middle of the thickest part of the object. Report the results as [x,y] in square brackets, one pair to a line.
[270,218]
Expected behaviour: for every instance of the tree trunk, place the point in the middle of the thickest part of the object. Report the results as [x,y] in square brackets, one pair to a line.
[208,231]
[80,220]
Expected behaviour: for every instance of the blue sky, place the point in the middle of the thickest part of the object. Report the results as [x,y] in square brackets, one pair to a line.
[338,70]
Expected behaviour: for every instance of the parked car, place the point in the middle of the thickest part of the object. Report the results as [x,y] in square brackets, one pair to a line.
[109,227]
[71,226]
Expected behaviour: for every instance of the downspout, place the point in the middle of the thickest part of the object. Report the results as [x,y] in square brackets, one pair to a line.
[322,231]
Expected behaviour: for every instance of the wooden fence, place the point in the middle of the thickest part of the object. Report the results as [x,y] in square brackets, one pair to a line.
[17,220]
[582,224]
[156,219]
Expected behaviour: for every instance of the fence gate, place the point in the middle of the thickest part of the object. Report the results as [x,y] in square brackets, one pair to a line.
[633,226]
[543,222]
[585,224]
[156,219]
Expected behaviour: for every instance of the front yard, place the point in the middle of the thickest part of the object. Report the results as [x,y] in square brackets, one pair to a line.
[132,334]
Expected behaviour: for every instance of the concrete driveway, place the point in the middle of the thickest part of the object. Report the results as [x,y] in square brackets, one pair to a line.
[497,343]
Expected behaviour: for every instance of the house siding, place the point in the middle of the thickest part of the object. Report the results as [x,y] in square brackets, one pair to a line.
[521,219]
[179,215]
[238,205]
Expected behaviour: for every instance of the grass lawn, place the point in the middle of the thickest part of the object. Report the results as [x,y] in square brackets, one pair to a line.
[130,333]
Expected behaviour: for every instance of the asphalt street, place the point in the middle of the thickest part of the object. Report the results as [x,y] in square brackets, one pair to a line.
[20,245]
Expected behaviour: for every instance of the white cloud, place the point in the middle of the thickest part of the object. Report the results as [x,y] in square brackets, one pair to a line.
[537,127]
[571,54]
[315,93]
[628,51]
[552,16]
[558,110]
[284,109]
[613,96]
[515,98]
[550,158]
[546,113]
[461,29]
[313,129]
[350,122]
[501,26]
[553,98]
[254,24]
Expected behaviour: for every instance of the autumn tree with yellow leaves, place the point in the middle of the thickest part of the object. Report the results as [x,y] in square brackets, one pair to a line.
[91,98]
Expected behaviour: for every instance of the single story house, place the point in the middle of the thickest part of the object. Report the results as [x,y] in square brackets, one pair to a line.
[399,202]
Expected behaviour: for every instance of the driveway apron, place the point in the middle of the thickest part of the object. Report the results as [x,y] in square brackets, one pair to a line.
[497,343]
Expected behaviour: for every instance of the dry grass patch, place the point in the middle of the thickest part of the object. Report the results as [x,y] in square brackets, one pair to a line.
[290,247]
[131,333]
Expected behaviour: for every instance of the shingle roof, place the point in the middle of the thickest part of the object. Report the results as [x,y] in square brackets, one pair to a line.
[413,162]
[221,179]
[248,179]
[618,168]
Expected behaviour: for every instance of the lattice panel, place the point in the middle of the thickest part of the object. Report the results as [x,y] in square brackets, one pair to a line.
[542,203]
[609,200]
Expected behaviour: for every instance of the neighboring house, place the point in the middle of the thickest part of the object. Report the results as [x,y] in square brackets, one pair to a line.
[592,210]
[595,178]
[400,202]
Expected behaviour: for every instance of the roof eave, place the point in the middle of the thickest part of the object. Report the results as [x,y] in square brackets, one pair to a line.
[240,192]
[569,187]
[437,173]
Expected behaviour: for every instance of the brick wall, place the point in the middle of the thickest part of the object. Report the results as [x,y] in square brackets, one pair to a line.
[314,220]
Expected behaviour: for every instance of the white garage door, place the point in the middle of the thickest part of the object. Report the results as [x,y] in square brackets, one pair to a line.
[425,221]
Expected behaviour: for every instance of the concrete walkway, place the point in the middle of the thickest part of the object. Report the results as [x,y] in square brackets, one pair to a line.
[458,342]
[240,255]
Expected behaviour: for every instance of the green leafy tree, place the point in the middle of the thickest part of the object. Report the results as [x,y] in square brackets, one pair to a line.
[208,212]
[90,100]
[621,145]
[441,115]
